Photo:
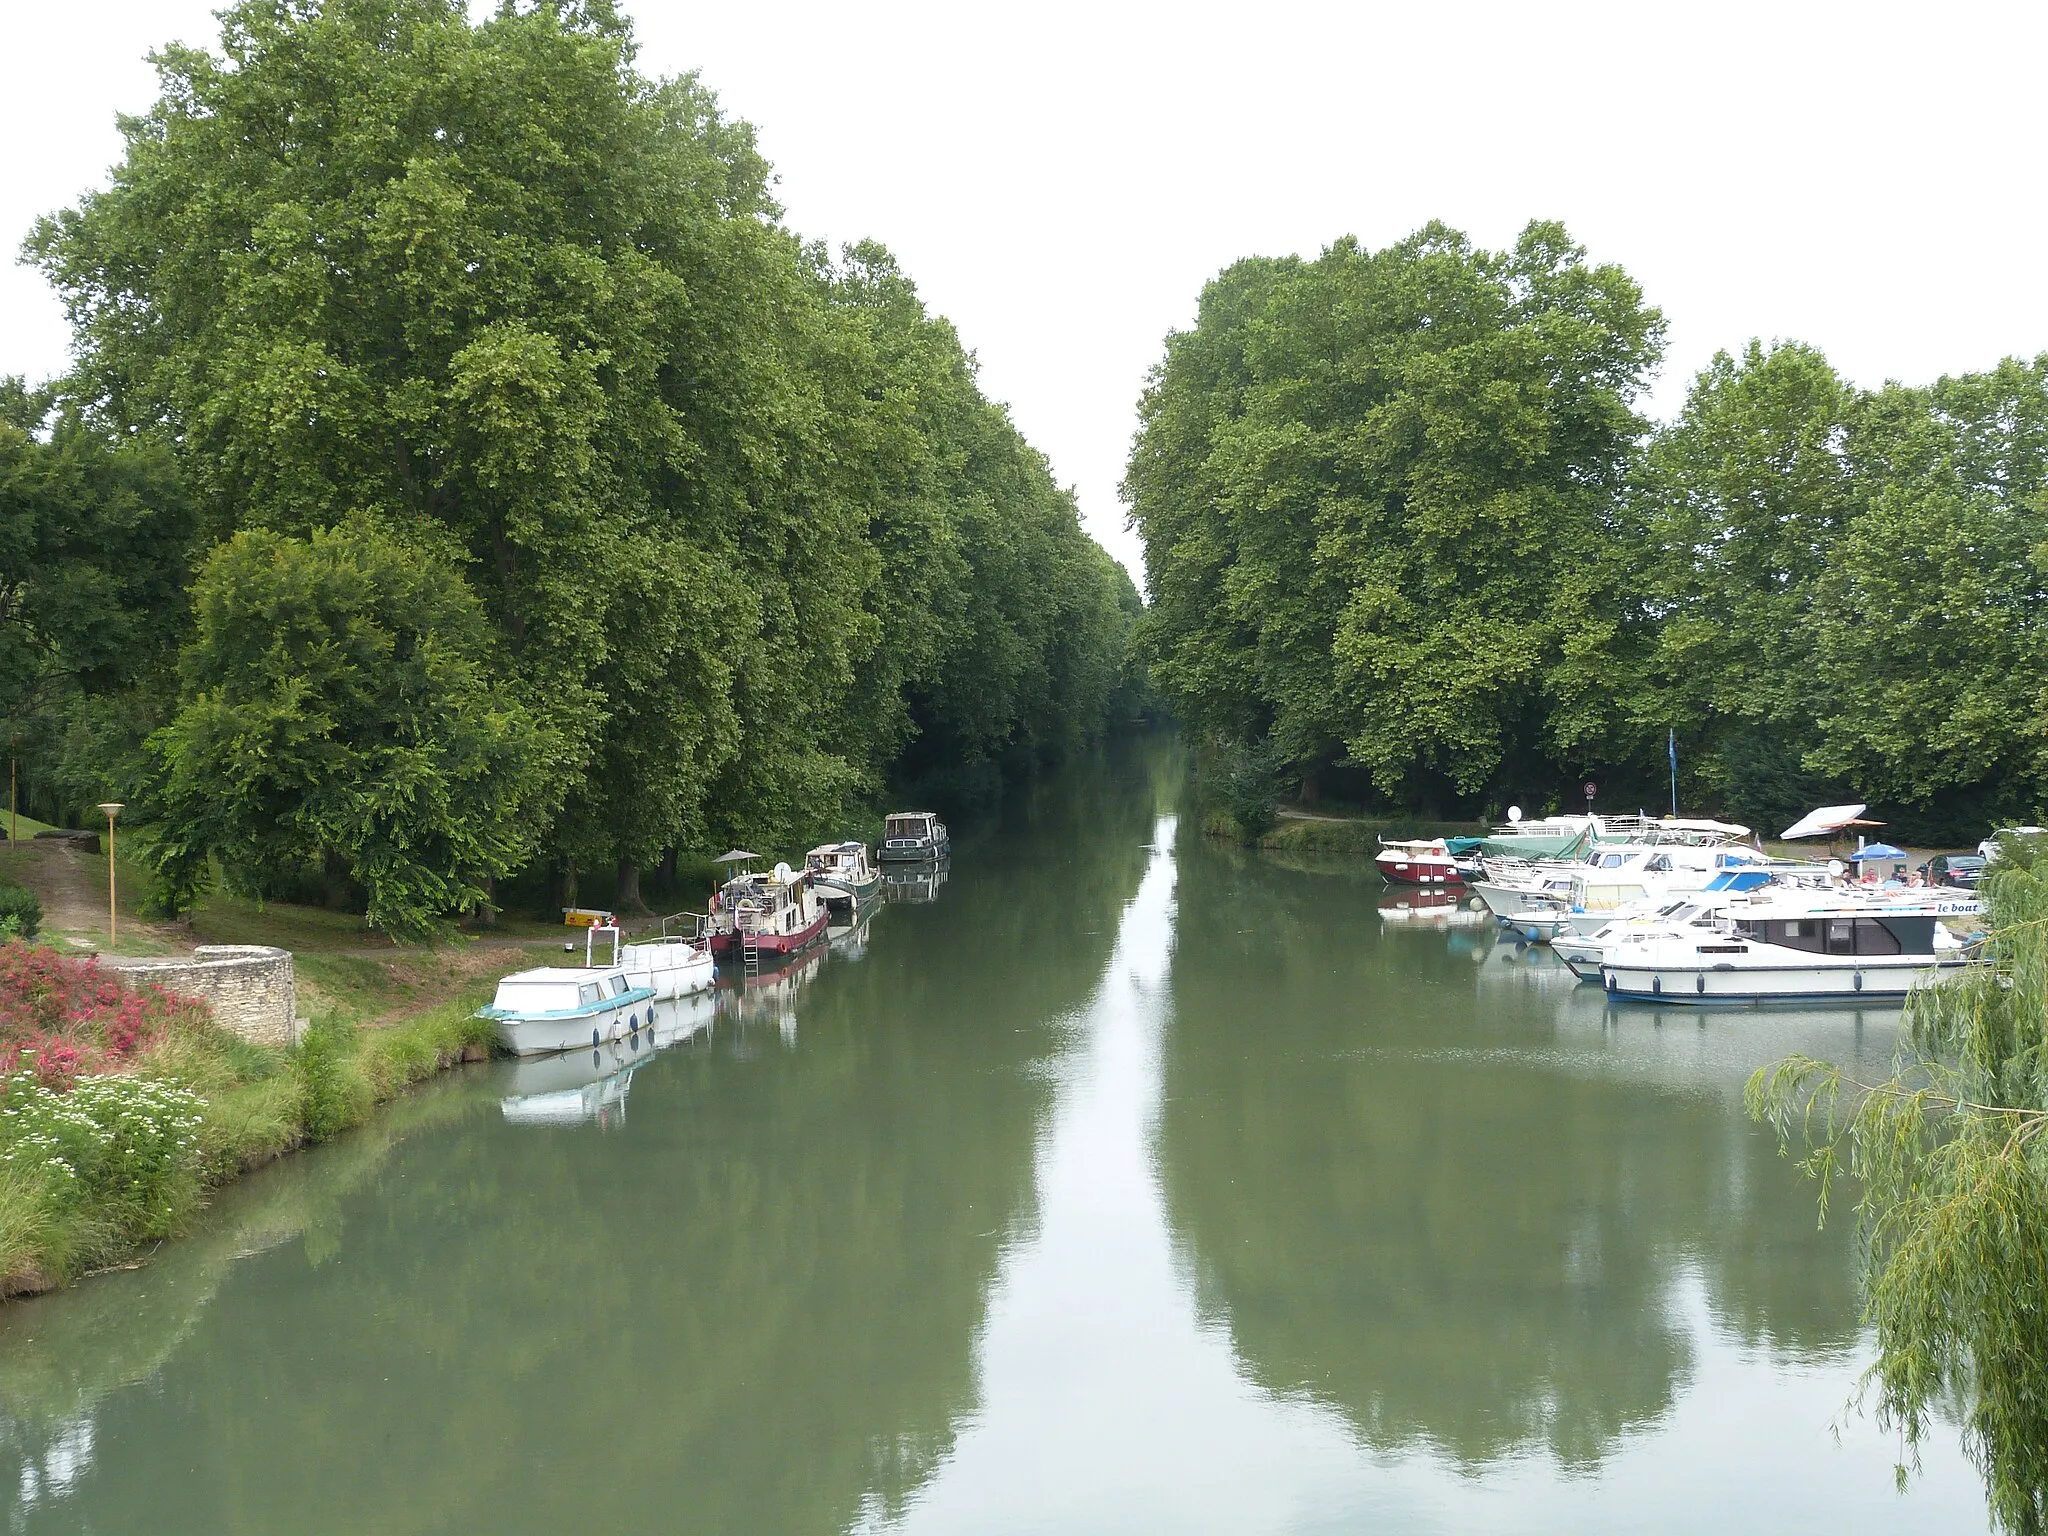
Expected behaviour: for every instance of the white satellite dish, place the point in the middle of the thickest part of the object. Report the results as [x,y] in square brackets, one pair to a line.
[1515,814]
[1836,869]
[783,874]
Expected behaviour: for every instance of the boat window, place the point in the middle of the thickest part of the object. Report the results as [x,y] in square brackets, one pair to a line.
[588,994]
[619,987]
[1611,861]
[1873,938]
[1801,933]
[1660,865]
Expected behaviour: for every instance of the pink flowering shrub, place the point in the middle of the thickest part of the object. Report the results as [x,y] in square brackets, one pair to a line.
[62,1018]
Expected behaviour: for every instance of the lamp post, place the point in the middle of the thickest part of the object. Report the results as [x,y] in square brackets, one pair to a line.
[113,809]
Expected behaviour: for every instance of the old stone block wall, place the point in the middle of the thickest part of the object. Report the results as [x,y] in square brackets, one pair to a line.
[249,986]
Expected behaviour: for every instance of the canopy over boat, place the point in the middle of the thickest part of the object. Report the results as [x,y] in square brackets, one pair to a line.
[736,856]
[1827,820]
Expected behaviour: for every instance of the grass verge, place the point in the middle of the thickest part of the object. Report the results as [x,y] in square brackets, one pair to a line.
[234,1107]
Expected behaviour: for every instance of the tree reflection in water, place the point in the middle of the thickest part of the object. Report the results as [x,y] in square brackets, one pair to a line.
[1452,1200]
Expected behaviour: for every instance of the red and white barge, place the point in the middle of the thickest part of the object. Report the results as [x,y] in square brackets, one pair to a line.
[776,913]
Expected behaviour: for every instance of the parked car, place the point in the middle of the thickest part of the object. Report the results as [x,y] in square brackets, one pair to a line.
[1989,847]
[1963,869]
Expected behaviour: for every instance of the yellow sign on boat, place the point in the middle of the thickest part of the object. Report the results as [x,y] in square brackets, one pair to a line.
[585,917]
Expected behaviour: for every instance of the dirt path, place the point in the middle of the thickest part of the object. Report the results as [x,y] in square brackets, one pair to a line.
[72,886]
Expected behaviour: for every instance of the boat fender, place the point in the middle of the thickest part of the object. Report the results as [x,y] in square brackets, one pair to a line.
[593,1037]
[1699,984]
[1657,985]
[1610,980]
[1859,981]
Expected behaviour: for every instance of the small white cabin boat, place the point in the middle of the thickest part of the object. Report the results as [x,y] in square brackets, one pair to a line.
[562,1008]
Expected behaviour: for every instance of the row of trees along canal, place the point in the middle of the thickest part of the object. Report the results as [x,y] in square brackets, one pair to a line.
[1410,543]
[465,472]
[1403,526]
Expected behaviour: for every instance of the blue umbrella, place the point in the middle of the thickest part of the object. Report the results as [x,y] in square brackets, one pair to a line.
[1878,851]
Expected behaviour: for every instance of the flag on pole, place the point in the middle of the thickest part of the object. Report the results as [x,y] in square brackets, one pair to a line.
[1671,744]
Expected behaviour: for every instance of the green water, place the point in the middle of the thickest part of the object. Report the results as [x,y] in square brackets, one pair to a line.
[1127,1184]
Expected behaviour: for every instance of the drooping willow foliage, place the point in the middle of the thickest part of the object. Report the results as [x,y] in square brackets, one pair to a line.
[1949,1158]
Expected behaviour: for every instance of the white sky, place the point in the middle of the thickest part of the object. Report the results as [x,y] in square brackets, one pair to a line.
[1061,180]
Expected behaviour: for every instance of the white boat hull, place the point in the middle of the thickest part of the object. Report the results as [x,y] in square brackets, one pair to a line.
[540,1036]
[1858,978]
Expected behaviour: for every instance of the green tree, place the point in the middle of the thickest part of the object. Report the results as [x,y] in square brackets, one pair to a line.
[1371,490]
[1952,1205]
[1930,632]
[731,511]
[1741,503]
[92,577]
[339,703]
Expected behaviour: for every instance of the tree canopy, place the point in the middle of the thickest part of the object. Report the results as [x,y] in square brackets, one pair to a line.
[740,523]
[1401,521]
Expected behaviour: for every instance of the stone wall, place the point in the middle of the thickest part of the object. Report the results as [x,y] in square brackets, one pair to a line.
[249,986]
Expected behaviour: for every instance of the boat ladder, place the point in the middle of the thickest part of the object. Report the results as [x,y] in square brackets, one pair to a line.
[750,951]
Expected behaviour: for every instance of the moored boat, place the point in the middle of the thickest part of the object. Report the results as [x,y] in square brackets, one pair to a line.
[843,871]
[1794,949]
[1418,861]
[914,837]
[562,1008]
[765,915]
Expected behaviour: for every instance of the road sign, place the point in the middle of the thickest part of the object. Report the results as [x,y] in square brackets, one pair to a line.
[1592,789]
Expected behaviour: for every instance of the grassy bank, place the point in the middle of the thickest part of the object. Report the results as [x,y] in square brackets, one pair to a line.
[114,1130]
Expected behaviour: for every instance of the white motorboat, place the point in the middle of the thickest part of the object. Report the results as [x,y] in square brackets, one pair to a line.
[562,1008]
[1800,947]
[1611,877]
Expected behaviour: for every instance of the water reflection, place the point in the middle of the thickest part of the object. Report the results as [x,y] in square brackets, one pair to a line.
[592,1085]
[1428,1181]
[1135,1184]
[751,1307]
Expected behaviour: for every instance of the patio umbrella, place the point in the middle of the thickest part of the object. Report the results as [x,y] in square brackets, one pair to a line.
[1878,851]
[737,856]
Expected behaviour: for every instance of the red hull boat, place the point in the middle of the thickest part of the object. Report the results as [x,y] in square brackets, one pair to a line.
[1418,863]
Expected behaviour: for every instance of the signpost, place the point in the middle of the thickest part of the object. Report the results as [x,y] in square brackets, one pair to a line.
[1591,790]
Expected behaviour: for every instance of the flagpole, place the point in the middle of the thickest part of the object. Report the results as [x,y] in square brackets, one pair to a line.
[1671,742]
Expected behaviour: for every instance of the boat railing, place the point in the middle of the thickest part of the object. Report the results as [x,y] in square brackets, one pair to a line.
[688,926]
[590,944]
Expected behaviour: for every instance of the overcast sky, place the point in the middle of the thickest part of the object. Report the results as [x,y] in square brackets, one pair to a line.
[1061,179]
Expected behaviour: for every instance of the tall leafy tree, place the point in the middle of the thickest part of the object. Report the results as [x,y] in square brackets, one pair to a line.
[1931,616]
[483,278]
[338,702]
[1741,503]
[1370,488]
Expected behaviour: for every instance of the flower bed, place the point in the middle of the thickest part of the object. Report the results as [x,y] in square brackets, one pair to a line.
[63,1018]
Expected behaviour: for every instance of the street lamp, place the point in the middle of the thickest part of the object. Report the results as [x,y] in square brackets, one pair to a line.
[113,809]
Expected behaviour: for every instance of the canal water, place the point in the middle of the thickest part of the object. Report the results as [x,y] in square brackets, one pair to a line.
[1120,1182]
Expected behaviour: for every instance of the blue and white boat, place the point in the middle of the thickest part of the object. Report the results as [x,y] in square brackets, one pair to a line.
[564,1008]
